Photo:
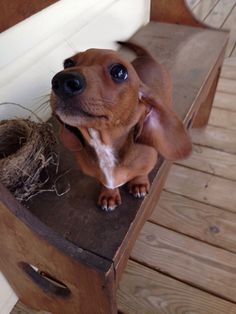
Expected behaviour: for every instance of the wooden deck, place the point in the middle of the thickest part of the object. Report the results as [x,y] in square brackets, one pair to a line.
[184,260]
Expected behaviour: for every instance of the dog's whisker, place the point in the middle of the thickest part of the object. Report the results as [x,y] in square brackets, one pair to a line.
[42,96]
[43,106]
[22,107]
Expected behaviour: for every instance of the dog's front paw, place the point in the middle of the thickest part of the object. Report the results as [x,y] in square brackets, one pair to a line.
[139,186]
[109,199]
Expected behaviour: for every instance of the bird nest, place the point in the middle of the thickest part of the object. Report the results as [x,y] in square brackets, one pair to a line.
[26,153]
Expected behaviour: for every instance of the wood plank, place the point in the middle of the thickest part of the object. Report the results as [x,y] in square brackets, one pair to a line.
[206,223]
[228,72]
[220,12]
[202,187]
[192,3]
[230,62]
[189,260]
[203,8]
[214,137]
[223,118]
[226,86]
[20,308]
[225,101]
[230,22]
[233,54]
[211,161]
[144,291]
[230,47]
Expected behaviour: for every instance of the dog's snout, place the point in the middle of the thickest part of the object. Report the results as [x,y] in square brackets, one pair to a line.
[66,84]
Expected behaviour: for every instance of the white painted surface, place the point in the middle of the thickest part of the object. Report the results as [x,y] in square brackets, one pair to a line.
[26,78]
[7,296]
[33,51]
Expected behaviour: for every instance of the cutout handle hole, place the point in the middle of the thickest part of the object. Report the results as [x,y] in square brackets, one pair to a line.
[45,281]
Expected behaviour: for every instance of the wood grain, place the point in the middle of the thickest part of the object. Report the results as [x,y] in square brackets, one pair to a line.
[228,72]
[145,291]
[225,101]
[214,137]
[230,62]
[206,223]
[230,22]
[226,86]
[202,117]
[230,47]
[234,52]
[192,3]
[220,12]
[203,8]
[12,12]
[211,161]
[20,308]
[223,118]
[202,186]
[18,253]
[204,266]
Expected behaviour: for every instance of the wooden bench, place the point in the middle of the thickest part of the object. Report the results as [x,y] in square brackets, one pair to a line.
[62,254]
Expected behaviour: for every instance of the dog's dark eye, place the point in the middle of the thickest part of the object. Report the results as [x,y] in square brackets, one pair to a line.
[118,72]
[69,63]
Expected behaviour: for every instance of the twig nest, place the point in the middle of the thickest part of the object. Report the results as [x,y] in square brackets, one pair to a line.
[26,152]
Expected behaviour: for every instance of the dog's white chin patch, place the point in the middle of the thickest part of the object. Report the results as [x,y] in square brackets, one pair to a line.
[106,157]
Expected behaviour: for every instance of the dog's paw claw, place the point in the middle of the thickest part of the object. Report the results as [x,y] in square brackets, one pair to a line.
[108,208]
[109,199]
[139,190]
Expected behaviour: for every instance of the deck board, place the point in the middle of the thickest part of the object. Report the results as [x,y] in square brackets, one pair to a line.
[223,118]
[189,260]
[203,8]
[201,186]
[145,291]
[211,161]
[219,13]
[230,23]
[217,138]
[227,86]
[225,101]
[207,223]
[228,72]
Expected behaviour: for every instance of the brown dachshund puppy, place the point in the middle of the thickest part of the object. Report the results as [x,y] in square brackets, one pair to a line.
[116,117]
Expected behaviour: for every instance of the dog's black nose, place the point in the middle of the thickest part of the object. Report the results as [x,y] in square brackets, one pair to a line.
[67,84]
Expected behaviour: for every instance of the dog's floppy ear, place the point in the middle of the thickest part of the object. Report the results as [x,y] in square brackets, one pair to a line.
[163,128]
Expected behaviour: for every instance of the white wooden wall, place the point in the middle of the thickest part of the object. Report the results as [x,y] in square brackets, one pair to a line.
[33,51]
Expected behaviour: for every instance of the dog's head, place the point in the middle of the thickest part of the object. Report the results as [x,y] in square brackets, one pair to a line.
[100,89]
[97,89]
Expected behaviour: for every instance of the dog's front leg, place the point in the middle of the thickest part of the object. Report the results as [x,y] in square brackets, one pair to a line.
[109,199]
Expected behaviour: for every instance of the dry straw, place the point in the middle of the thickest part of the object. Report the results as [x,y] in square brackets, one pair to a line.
[26,153]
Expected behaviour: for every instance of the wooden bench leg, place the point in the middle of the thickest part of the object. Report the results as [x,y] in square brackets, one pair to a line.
[202,117]
[173,11]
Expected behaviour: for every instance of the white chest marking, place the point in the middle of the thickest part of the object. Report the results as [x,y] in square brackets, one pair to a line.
[106,157]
